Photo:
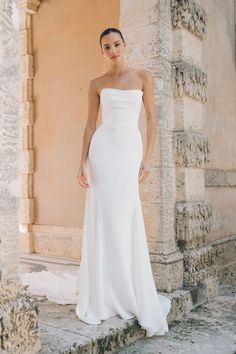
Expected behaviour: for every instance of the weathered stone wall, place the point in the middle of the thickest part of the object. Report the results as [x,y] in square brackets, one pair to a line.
[9,81]
[147,27]
[18,312]
[193,215]
[204,40]
[171,39]
[219,61]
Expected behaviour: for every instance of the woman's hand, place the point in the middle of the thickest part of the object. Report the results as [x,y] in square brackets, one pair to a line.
[82,177]
[144,170]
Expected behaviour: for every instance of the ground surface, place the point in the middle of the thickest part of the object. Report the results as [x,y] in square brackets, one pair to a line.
[209,329]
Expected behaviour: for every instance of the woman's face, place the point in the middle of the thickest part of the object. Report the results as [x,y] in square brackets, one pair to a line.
[113,47]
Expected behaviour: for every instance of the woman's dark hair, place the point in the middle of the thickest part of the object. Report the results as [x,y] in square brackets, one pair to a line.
[108,30]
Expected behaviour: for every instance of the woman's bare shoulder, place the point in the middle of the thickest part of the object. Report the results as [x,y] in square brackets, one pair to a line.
[145,73]
[146,76]
[97,82]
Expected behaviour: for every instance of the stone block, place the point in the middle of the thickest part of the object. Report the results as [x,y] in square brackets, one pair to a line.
[200,264]
[220,178]
[25,137]
[26,90]
[57,241]
[190,184]
[26,210]
[187,47]
[25,39]
[188,115]
[159,221]
[26,161]
[204,291]
[163,156]
[193,222]
[150,191]
[26,113]
[164,247]
[181,305]
[165,113]
[191,149]
[168,271]
[26,242]
[27,66]
[26,185]
[151,213]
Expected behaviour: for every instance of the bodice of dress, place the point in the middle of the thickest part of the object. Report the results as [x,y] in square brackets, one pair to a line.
[120,108]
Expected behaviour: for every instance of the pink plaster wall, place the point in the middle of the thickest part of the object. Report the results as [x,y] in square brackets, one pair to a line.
[67,56]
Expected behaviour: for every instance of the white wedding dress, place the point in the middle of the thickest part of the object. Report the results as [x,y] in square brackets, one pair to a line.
[115,275]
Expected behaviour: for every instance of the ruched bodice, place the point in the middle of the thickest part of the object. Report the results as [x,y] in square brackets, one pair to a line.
[120,108]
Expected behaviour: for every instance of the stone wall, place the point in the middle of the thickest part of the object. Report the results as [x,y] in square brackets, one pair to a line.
[18,312]
[204,142]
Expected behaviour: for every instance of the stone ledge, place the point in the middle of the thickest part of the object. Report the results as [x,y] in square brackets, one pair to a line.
[215,259]
[220,178]
[63,333]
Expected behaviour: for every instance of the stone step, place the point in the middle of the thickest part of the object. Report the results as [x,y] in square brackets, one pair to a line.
[77,337]
[61,332]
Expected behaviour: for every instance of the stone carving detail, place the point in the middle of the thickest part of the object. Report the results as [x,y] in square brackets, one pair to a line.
[200,264]
[189,80]
[192,222]
[191,149]
[189,15]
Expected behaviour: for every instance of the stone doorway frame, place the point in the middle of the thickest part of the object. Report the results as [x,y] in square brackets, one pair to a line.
[173,214]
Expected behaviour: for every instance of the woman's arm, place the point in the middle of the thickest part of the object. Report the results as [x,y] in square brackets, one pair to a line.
[90,127]
[149,105]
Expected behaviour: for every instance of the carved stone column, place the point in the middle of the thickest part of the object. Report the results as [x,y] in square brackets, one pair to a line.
[192,214]
[148,29]
[26,122]
[18,312]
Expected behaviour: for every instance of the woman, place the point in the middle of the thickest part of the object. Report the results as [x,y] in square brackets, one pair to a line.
[115,275]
